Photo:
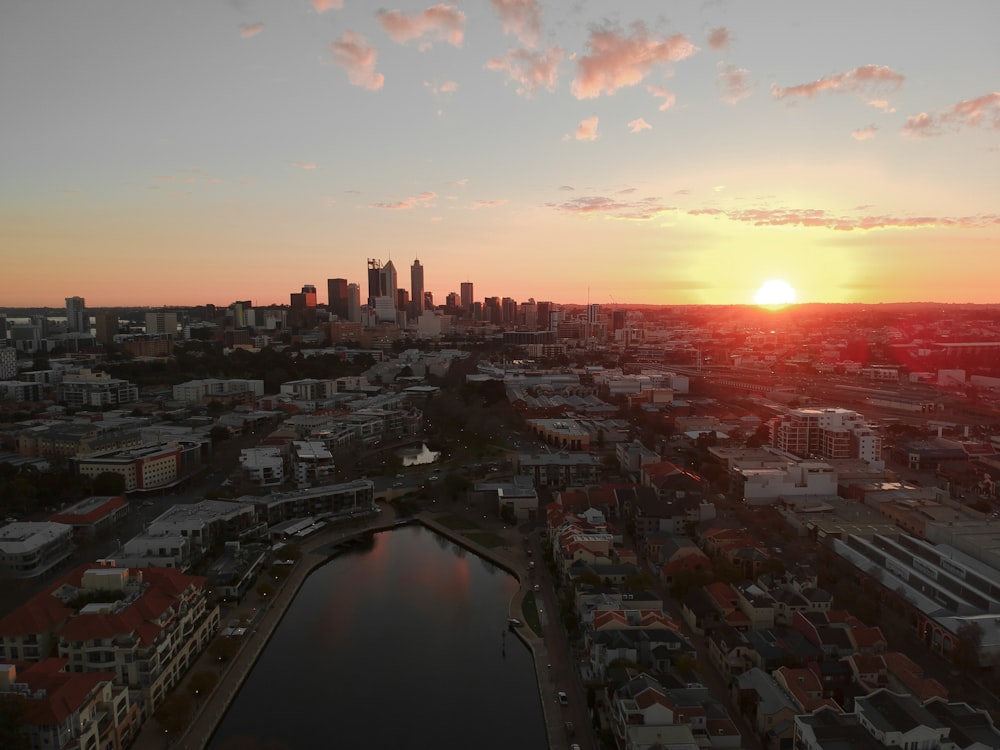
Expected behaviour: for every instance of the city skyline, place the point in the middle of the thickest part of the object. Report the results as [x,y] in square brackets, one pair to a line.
[180,154]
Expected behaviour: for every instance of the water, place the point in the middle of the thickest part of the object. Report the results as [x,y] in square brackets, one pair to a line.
[403,645]
[425,456]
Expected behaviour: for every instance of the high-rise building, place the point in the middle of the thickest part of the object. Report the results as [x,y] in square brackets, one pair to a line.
[389,281]
[337,297]
[375,288]
[241,310]
[106,325]
[467,296]
[354,303]
[402,300]
[417,287]
[303,307]
[509,309]
[544,315]
[76,315]
[162,322]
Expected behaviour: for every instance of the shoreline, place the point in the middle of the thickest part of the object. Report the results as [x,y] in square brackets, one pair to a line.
[209,713]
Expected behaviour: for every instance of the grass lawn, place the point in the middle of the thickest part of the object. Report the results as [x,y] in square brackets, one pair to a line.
[455,522]
[531,614]
[486,538]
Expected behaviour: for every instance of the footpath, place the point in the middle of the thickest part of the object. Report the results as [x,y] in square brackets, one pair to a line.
[209,710]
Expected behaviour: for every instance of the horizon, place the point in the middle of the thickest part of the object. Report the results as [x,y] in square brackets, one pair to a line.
[601,153]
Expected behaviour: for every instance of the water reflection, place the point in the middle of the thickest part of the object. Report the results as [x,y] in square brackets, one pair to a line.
[393,647]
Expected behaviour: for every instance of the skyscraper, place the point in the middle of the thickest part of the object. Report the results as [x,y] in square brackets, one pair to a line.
[76,315]
[467,297]
[337,297]
[354,303]
[389,281]
[107,327]
[375,279]
[417,287]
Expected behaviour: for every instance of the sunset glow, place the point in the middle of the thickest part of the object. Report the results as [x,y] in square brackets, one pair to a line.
[774,292]
[183,153]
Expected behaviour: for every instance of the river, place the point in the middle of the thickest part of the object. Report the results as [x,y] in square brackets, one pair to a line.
[401,645]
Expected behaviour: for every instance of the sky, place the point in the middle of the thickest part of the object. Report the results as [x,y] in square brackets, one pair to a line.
[194,151]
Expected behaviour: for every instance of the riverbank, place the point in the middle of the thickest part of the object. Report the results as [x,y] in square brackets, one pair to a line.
[509,554]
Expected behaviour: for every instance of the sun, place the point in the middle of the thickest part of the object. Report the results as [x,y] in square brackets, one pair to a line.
[774,293]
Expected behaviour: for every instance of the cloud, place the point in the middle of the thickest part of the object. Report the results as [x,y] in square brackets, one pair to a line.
[665,94]
[617,60]
[440,22]
[815,217]
[488,204]
[567,188]
[719,39]
[462,182]
[248,30]
[520,17]
[638,125]
[448,87]
[735,83]
[353,53]
[641,209]
[587,129]
[867,82]
[864,134]
[981,112]
[308,165]
[73,191]
[530,71]
[423,200]
[322,6]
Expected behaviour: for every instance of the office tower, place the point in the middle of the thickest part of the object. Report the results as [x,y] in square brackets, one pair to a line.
[241,310]
[303,307]
[492,312]
[106,325]
[529,313]
[451,301]
[417,287]
[428,300]
[389,283]
[375,288]
[310,294]
[467,297]
[76,315]
[162,322]
[544,314]
[3,331]
[337,297]
[509,308]
[354,303]
[619,318]
[402,300]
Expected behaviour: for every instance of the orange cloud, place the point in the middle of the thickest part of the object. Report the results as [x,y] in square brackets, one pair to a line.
[307,165]
[981,112]
[520,17]
[489,203]
[322,6]
[816,217]
[587,129]
[618,60]
[864,134]
[642,209]
[638,125]
[719,39]
[424,200]
[438,23]
[665,94]
[529,70]
[353,53]
[866,82]
[735,83]
[248,30]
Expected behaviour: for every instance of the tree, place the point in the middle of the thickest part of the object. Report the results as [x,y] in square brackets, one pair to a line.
[968,640]
[109,483]
[265,589]
[174,713]
[223,649]
[202,683]
[218,434]
[12,723]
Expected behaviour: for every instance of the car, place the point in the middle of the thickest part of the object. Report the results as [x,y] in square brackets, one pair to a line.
[537,587]
[562,698]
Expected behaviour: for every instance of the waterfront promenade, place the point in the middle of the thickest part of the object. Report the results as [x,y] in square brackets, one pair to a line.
[266,615]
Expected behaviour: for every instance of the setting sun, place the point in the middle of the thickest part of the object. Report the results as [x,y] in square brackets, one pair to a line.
[774,292]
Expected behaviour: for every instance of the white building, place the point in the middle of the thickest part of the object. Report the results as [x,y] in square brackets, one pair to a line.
[29,548]
[263,466]
[194,391]
[207,523]
[312,463]
[88,388]
[794,480]
[153,550]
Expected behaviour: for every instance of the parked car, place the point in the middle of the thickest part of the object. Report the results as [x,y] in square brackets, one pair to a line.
[562,698]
